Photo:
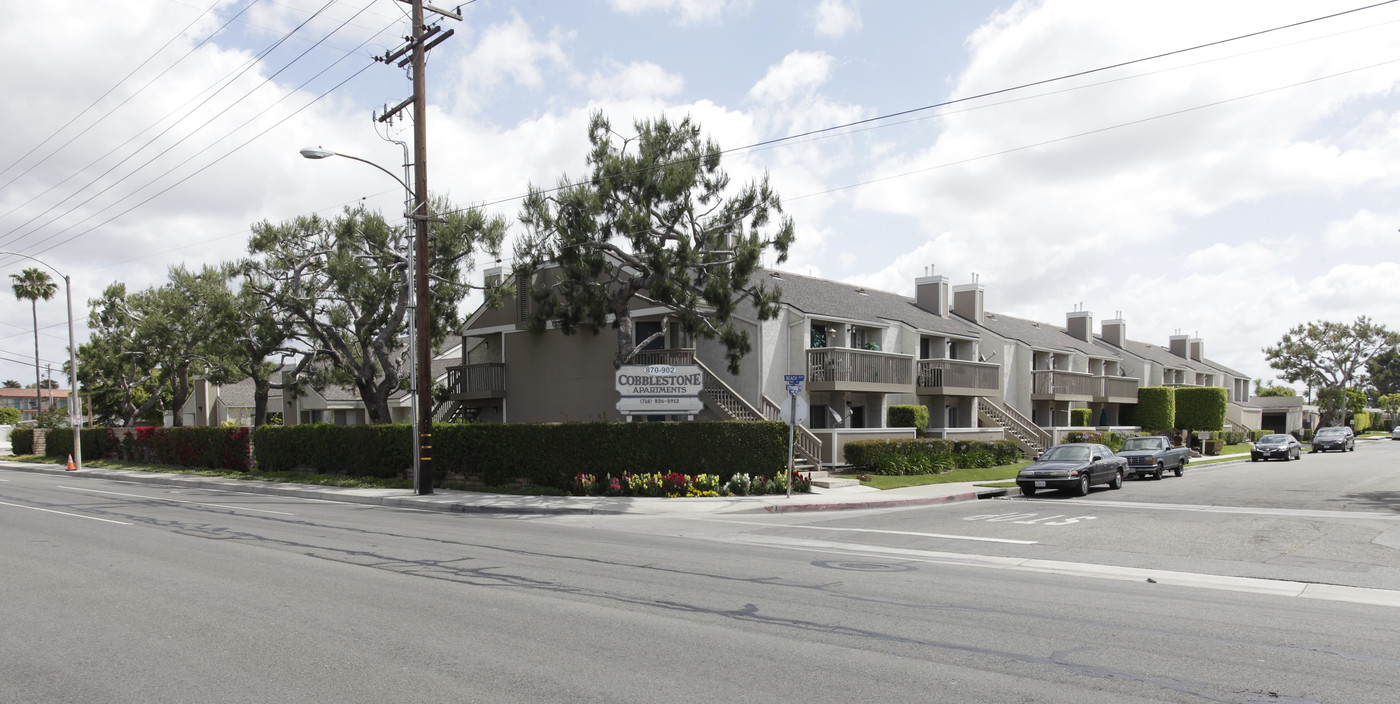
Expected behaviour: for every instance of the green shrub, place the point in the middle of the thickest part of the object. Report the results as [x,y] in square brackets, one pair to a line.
[1156,408]
[1079,417]
[540,454]
[9,416]
[908,416]
[97,443]
[1201,408]
[22,441]
[928,455]
[1255,435]
[1361,422]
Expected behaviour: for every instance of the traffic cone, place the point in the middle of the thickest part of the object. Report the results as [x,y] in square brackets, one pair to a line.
[70,463]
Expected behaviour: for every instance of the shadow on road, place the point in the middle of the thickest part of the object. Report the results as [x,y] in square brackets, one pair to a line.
[1383,500]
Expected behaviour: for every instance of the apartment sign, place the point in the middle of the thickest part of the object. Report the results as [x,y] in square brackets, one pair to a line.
[657,389]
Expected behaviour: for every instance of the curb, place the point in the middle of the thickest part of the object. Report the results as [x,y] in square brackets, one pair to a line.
[494,504]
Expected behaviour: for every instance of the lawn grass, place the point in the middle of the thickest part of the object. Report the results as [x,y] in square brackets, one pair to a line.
[979,474]
[332,480]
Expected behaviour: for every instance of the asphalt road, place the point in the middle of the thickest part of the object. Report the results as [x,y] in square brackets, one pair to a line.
[1272,582]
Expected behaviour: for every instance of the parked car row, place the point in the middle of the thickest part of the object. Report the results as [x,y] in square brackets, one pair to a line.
[1077,466]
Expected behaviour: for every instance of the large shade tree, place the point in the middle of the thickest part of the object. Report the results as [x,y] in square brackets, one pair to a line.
[344,282]
[119,368]
[31,285]
[1331,357]
[656,217]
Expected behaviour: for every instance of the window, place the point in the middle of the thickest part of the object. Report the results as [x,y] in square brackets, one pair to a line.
[647,328]
[818,336]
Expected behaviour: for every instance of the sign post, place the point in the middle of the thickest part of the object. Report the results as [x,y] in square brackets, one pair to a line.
[794,387]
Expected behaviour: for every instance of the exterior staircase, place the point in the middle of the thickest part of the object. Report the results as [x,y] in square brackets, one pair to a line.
[729,404]
[1031,438]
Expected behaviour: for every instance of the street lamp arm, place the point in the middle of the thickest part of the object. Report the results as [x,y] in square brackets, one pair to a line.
[316,153]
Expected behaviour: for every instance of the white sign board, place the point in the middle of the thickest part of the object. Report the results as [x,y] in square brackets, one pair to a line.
[785,411]
[659,380]
[671,406]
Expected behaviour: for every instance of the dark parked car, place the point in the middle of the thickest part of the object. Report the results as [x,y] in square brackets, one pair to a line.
[1343,428]
[1074,467]
[1283,447]
[1333,439]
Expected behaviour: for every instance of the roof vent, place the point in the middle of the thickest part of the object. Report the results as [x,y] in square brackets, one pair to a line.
[775,275]
[862,292]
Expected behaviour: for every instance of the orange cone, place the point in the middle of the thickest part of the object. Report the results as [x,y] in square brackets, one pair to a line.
[70,463]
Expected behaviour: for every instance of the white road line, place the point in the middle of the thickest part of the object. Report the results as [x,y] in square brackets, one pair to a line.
[1246,510]
[63,513]
[872,530]
[178,501]
[1275,587]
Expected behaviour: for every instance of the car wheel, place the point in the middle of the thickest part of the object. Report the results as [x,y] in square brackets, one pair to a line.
[1157,475]
[1252,458]
[1180,467]
[1027,491]
[1083,488]
[1117,482]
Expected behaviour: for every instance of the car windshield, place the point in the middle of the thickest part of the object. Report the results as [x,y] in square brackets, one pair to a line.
[1328,434]
[1143,444]
[1274,440]
[1066,453]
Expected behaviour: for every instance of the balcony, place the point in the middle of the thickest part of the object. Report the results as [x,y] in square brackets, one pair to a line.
[843,369]
[477,381]
[1056,385]
[1116,389]
[956,377]
[675,358]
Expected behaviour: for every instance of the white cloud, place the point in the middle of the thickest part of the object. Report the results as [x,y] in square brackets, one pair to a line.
[834,19]
[641,79]
[507,53]
[797,75]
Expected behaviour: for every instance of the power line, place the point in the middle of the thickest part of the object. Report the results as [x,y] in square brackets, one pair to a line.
[247,67]
[955,101]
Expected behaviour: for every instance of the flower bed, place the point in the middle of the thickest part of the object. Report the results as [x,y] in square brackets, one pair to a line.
[675,485]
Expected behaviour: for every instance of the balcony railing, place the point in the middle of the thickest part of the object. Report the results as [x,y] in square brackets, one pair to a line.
[843,369]
[474,381]
[958,377]
[1059,385]
[1117,389]
[674,358]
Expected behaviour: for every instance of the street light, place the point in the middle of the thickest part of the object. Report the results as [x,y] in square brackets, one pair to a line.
[422,479]
[73,401]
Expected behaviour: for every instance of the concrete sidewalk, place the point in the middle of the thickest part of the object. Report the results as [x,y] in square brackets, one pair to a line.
[857,497]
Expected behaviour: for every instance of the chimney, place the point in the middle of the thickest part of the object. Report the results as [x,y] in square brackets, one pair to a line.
[1196,349]
[931,294]
[1177,345]
[1115,332]
[1080,324]
[967,301]
[494,275]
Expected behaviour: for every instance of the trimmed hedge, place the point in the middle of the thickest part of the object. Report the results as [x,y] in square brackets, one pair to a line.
[1361,422]
[97,442]
[22,441]
[1201,408]
[1156,408]
[1079,417]
[908,416]
[215,447]
[928,455]
[539,454]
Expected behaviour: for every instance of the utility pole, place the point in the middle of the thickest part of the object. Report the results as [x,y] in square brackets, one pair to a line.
[422,39]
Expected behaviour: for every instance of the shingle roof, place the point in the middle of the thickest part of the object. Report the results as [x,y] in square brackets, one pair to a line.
[1046,336]
[841,300]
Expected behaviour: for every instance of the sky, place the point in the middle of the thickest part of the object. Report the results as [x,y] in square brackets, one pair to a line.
[1220,170]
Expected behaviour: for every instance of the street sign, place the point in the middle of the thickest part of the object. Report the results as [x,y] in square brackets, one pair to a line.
[786,410]
[793,378]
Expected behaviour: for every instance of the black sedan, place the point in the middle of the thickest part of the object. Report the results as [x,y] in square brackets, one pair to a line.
[1333,439]
[1074,467]
[1282,447]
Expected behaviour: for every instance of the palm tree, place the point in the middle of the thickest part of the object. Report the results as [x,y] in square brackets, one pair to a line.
[33,284]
